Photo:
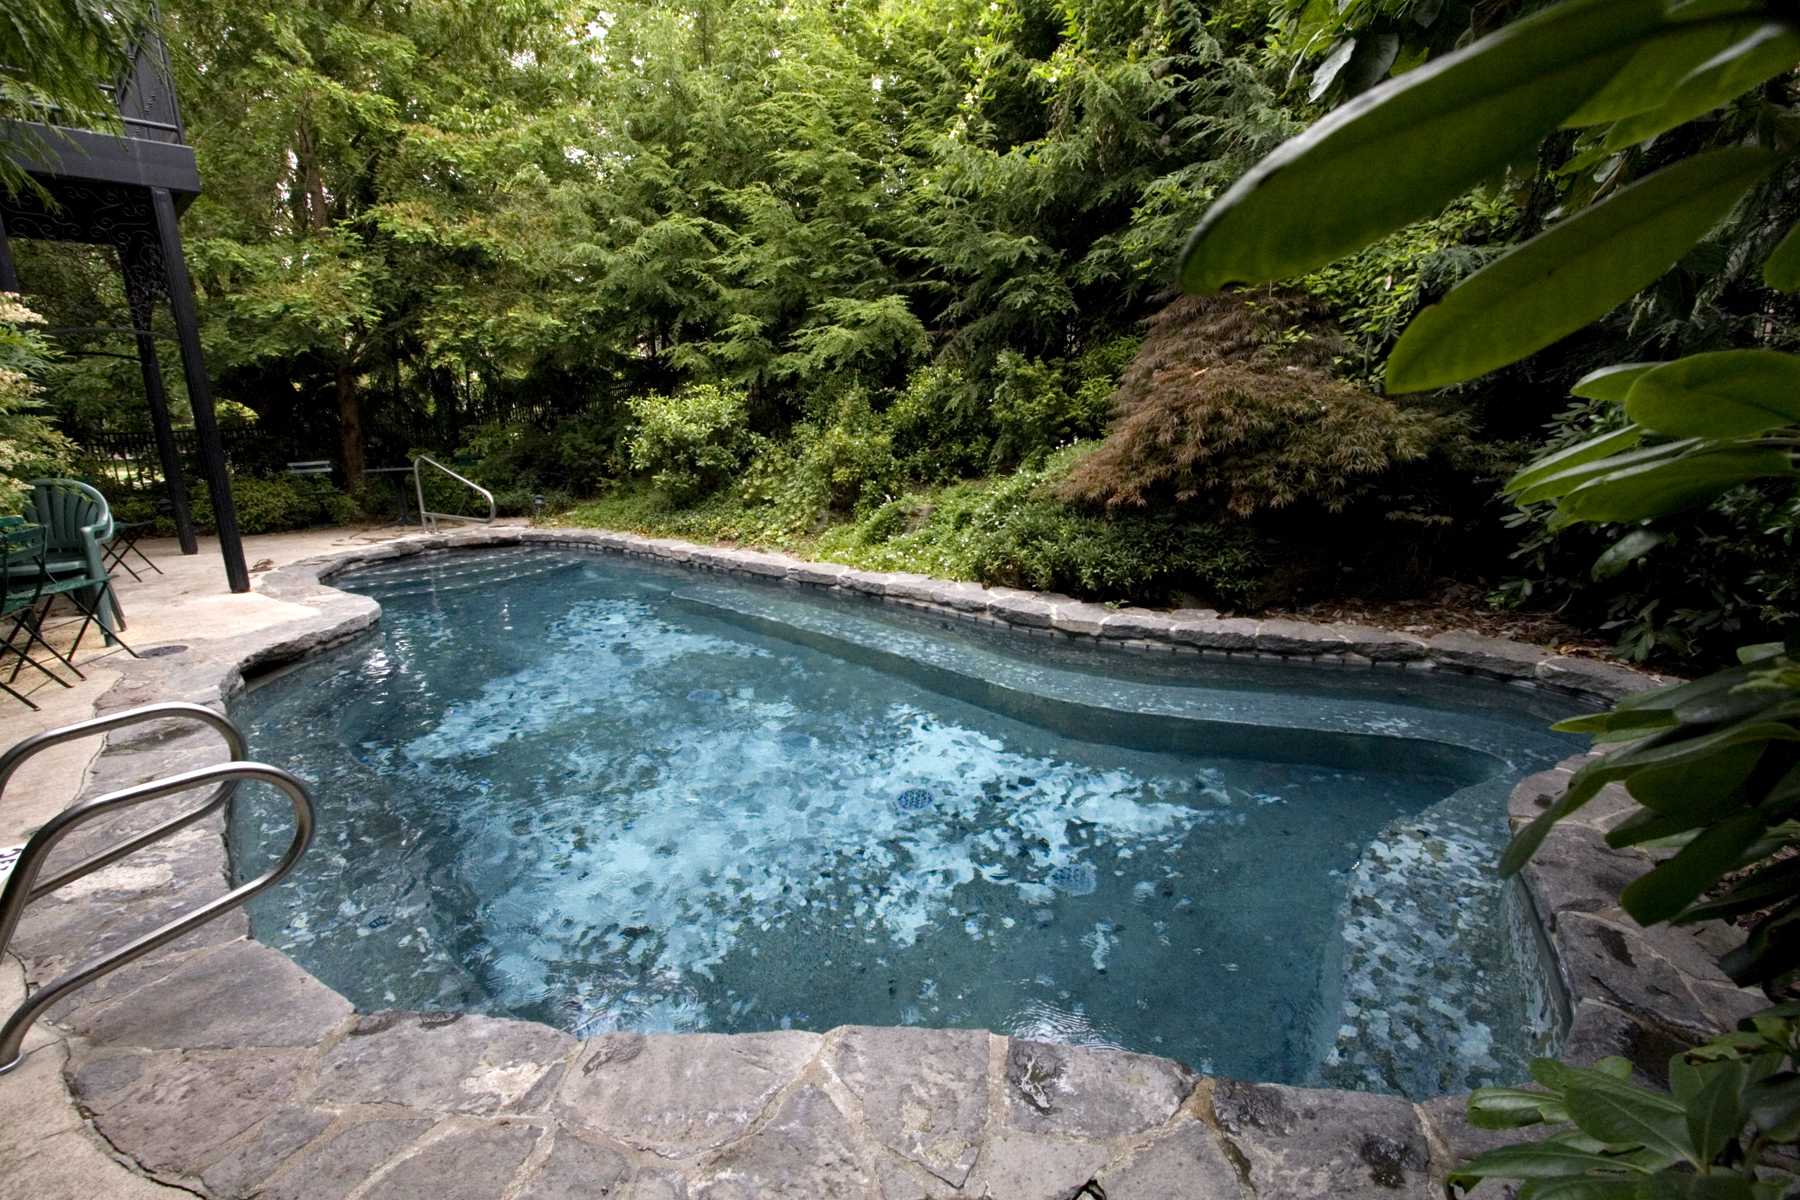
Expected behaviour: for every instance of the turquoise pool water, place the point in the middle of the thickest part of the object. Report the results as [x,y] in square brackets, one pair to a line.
[616,796]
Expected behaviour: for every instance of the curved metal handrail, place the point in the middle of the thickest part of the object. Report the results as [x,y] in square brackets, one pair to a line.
[15,757]
[430,519]
[19,891]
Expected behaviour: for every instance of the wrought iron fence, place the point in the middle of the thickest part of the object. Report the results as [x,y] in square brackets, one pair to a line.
[130,458]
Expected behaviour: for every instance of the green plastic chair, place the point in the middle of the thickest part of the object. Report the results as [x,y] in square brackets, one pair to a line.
[22,584]
[77,523]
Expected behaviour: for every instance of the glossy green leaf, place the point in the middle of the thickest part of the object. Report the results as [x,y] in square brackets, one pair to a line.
[1565,481]
[1615,721]
[1511,1108]
[1781,270]
[1653,71]
[1775,1103]
[1405,149]
[1647,826]
[1532,1160]
[1670,1186]
[1658,489]
[1767,51]
[1717,1113]
[1724,394]
[1627,550]
[1616,1111]
[1573,273]
[1582,1187]
[1610,383]
[1696,783]
[1772,950]
[1675,884]
[1757,891]
[1574,456]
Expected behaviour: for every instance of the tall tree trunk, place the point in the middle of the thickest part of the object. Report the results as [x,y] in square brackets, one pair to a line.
[350,431]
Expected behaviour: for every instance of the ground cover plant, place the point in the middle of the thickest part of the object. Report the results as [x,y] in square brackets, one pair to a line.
[1713,763]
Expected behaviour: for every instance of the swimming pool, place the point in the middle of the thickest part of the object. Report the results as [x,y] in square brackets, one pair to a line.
[606,795]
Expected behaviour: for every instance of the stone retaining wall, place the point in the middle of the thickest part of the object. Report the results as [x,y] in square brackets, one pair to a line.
[221,1066]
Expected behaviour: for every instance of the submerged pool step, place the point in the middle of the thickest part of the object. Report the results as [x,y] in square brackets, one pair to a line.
[440,578]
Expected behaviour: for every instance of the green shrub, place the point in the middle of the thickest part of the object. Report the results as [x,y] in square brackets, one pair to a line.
[1013,532]
[1039,406]
[693,440]
[940,428]
[572,454]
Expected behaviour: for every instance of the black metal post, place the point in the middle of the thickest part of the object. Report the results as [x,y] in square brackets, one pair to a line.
[143,305]
[193,362]
[9,278]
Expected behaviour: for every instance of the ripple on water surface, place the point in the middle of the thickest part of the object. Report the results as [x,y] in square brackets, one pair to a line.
[575,803]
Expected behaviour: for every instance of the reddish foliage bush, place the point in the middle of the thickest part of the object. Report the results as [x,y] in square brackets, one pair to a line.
[1231,396]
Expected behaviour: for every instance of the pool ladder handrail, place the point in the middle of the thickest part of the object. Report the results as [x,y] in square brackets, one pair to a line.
[430,519]
[21,886]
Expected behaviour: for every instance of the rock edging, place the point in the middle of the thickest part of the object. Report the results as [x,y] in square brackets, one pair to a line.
[1049,614]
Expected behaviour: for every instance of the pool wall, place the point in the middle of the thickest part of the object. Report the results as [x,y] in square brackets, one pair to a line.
[221,1066]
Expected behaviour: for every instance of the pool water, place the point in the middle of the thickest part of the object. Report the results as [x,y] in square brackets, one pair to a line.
[608,796]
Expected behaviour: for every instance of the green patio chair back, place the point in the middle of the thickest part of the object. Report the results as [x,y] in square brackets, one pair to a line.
[77,523]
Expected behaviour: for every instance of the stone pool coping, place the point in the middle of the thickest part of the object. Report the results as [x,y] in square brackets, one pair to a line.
[220,1066]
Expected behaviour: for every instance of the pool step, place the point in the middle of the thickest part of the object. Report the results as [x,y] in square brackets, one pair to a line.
[442,577]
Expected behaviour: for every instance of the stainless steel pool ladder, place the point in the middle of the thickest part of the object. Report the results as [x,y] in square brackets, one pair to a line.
[430,519]
[21,886]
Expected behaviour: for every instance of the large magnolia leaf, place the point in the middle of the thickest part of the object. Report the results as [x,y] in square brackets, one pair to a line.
[1618,1112]
[1574,456]
[1659,488]
[1767,51]
[1654,69]
[1562,482]
[1728,393]
[1533,1160]
[1405,149]
[1781,270]
[1675,884]
[1574,272]
[1716,1113]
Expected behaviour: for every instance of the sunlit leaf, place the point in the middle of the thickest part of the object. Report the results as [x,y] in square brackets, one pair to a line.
[1574,272]
[1405,149]
[1724,394]
[1610,383]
